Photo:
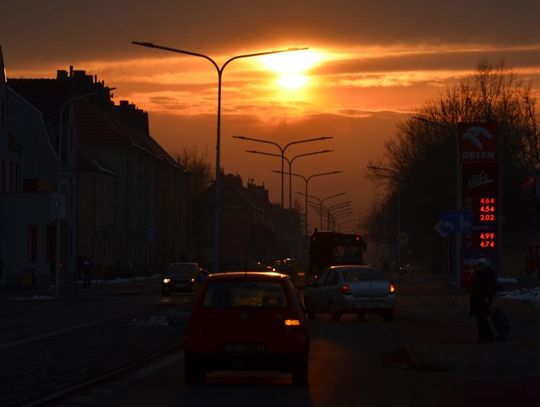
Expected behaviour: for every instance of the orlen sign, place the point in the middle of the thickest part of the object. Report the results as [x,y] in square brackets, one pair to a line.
[477,143]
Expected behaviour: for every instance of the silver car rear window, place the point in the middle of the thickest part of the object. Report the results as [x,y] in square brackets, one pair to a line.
[362,275]
[252,294]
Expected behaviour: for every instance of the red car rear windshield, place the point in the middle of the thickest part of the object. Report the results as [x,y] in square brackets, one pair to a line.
[252,294]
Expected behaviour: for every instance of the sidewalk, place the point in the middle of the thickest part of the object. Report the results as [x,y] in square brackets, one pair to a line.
[48,344]
[73,290]
[516,359]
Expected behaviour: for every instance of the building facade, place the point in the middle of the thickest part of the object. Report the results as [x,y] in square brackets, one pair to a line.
[119,198]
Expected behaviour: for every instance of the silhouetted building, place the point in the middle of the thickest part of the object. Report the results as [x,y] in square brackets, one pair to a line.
[123,199]
[252,228]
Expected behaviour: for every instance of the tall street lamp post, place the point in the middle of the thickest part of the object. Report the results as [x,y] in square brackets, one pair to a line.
[336,207]
[59,181]
[321,203]
[290,162]
[344,223]
[282,155]
[219,70]
[306,181]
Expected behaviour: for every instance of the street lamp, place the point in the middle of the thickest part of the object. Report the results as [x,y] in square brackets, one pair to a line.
[290,162]
[59,181]
[344,223]
[282,155]
[306,181]
[321,202]
[219,71]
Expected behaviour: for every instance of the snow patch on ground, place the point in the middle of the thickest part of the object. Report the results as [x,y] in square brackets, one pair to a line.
[525,294]
[120,280]
[506,280]
[33,298]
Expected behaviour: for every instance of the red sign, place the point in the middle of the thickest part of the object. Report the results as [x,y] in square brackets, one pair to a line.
[477,143]
[478,158]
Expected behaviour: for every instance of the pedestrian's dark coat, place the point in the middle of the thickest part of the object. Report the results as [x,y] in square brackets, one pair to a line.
[483,291]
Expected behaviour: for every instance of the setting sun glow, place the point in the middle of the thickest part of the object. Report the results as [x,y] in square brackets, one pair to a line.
[291,67]
[292,81]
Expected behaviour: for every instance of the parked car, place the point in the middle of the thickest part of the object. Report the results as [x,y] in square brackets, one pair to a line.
[180,277]
[247,321]
[350,289]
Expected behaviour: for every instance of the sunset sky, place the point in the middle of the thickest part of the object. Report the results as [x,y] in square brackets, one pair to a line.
[369,64]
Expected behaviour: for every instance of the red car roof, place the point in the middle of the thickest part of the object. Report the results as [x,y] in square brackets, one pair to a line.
[239,275]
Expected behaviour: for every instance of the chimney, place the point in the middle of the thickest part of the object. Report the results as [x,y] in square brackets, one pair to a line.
[61,75]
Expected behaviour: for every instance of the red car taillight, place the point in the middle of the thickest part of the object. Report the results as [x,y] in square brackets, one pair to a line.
[392,289]
[345,289]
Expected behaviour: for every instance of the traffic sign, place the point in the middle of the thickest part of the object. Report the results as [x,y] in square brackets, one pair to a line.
[441,229]
[403,238]
[454,222]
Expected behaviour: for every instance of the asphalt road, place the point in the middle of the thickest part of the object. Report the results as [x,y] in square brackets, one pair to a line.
[427,356]
[352,363]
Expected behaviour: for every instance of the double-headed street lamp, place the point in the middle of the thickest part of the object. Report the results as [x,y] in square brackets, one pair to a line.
[344,223]
[321,203]
[290,162]
[282,155]
[306,181]
[219,70]
[59,180]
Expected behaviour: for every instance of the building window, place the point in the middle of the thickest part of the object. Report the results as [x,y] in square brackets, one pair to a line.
[11,176]
[2,176]
[51,233]
[33,243]
[2,115]
[16,176]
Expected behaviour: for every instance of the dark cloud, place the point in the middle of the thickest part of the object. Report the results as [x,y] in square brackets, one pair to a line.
[438,59]
[63,30]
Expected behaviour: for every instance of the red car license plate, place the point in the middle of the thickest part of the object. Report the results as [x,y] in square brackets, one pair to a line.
[244,347]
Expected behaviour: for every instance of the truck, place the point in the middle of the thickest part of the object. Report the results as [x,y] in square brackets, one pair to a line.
[332,249]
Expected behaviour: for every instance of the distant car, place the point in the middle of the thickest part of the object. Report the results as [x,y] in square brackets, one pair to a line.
[350,289]
[179,277]
[413,267]
[247,321]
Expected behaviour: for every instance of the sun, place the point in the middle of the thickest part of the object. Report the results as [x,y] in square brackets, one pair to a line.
[292,67]
[293,81]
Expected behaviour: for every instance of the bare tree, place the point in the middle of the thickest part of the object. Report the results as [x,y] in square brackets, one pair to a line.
[424,152]
[199,169]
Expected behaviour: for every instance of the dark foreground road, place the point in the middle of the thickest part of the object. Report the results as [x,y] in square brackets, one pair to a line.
[425,357]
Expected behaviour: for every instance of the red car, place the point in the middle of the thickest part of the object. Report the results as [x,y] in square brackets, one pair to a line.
[247,321]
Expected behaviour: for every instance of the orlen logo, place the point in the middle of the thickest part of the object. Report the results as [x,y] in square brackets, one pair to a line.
[476,143]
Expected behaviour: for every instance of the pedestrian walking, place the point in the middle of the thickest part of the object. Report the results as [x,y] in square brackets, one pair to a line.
[482,294]
[87,271]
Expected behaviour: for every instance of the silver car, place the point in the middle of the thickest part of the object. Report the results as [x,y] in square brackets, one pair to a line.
[351,289]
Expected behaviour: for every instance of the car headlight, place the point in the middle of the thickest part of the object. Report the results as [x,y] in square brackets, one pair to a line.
[166,280]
